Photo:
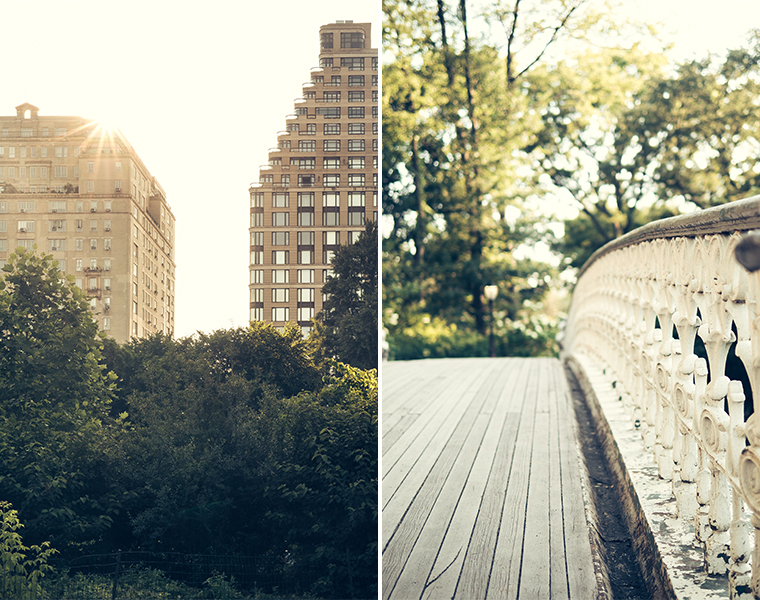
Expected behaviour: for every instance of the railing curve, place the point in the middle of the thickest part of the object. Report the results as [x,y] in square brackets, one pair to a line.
[671,313]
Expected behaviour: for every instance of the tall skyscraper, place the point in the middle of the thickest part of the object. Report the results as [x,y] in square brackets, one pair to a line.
[320,184]
[79,191]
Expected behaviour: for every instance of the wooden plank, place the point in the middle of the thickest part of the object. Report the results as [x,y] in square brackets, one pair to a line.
[442,394]
[449,564]
[505,572]
[401,483]
[580,572]
[419,518]
[535,572]
[558,418]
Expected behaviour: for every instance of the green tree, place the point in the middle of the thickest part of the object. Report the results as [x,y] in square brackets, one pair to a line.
[22,568]
[349,313]
[55,396]
[627,141]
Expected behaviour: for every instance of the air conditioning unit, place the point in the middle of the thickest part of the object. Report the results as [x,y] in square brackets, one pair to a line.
[23,210]
[93,209]
[107,228]
[53,210]
[22,229]
[53,229]
[108,210]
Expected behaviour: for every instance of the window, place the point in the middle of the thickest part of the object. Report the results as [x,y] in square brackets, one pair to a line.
[106,264]
[257,314]
[57,206]
[374,112]
[26,244]
[107,225]
[311,129]
[306,294]
[61,171]
[351,40]
[374,80]
[79,244]
[117,185]
[335,80]
[107,244]
[118,166]
[3,245]
[353,63]
[356,162]
[356,179]
[332,128]
[90,167]
[356,81]
[285,180]
[374,63]
[326,40]
[330,219]
[257,199]
[93,244]
[331,180]
[257,219]
[305,313]
[280,257]
[280,199]
[94,206]
[25,226]
[307,145]
[330,163]
[305,198]
[374,147]
[356,199]
[302,111]
[280,295]
[331,238]
[257,238]
[331,97]
[280,219]
[305,275]
[306,257]
[355,112]
[327,256]
[56,245]
[329,112]
[306,181]
[280,313]
[292,126]
[305,238]
[257,257]
[61,151]
[256,295]
[331,145]
[356,218]
[356,145]
[57,225]
[26,206]
[305,163]
[280,238]
[356,96]
[257,276]
[374,128]
[330,198]
[280,276]
[306,219]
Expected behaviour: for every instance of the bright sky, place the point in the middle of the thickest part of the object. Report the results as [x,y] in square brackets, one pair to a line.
[200,90]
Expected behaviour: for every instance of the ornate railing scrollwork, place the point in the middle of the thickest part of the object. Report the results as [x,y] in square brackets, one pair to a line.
[671,310]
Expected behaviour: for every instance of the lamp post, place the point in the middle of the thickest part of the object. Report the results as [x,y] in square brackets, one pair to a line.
[490,292]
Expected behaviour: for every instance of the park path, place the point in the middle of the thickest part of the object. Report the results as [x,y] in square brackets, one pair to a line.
[482,493]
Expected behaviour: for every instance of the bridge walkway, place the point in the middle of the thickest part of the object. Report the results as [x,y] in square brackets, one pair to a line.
[482,483]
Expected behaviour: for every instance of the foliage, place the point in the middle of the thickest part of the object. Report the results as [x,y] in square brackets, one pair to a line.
[627,141]
[349,314]
[22,568]
[325,498]
[55,396]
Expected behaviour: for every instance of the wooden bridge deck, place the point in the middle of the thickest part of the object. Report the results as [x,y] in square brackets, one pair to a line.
[482,492]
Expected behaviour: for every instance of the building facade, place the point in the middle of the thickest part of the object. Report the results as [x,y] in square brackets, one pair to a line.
[321,181]
[79,191]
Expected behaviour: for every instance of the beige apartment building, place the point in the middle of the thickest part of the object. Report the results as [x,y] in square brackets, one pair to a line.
[79,191]
[321,181]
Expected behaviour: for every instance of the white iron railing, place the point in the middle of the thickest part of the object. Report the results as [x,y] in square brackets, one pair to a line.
[672,313]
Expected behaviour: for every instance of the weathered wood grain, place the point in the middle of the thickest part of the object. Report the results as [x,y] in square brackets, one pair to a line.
[483,496]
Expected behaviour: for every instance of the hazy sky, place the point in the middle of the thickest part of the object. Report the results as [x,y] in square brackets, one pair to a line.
[200,90]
